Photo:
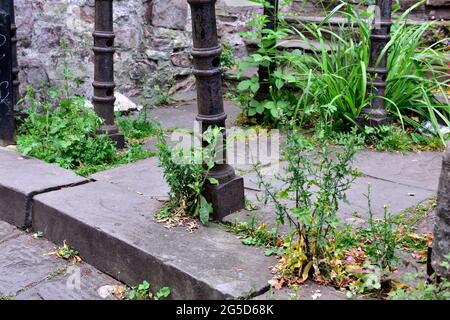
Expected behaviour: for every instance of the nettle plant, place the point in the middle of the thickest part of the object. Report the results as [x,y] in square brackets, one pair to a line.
[315,180]
[186,171]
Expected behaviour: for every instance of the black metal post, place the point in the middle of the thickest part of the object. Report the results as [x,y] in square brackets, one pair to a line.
[375,114]
[228,196]
[6,82]
[271,12]
[103,84]
[8,7]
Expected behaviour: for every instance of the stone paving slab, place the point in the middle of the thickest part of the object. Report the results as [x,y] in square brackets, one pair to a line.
[79,282]
[421,169]
[397,197]
[7,231]
[114,230]
[182,116]
[307,291]
[23,263]
[144,177]
[28,271]
[21,178]
[172,118]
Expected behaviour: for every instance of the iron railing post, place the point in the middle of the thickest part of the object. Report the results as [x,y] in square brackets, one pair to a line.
[7,125]
[103,98]
[375,114]
[228,195]
[8,7]
[264,72]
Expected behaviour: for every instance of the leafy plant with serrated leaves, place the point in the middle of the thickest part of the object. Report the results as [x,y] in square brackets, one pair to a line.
[252,234]
[315,180]
[328,87]
[59,128]
[435,288]
[186,171]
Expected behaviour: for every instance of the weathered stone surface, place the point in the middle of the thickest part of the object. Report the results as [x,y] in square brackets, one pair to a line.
[230,108]
[170,14]
[114,230]
[21,178]
[24,263]
[79,282]
[7,231]
[150,36]
[171,118]
[29,269]
[307,291]
[397,197]
[419,169]
[143,177]
[437,3]
[441,242]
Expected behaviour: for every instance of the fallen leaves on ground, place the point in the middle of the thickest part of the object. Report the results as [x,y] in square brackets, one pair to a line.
[179,219]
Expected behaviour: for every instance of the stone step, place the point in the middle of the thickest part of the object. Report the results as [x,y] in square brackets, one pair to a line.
[113,228]
[23,177]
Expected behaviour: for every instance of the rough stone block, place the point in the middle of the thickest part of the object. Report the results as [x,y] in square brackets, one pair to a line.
[21,178]
[114,230]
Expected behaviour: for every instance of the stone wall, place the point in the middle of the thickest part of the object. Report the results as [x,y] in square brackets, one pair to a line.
[153,40]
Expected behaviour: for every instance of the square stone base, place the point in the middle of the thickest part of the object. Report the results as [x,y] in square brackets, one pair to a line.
[119,140]
[226,198]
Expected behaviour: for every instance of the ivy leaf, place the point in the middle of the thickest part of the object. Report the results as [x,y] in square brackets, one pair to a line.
[144,286]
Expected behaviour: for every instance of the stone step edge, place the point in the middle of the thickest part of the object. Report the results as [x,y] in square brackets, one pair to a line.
[53,219]
[30,198]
